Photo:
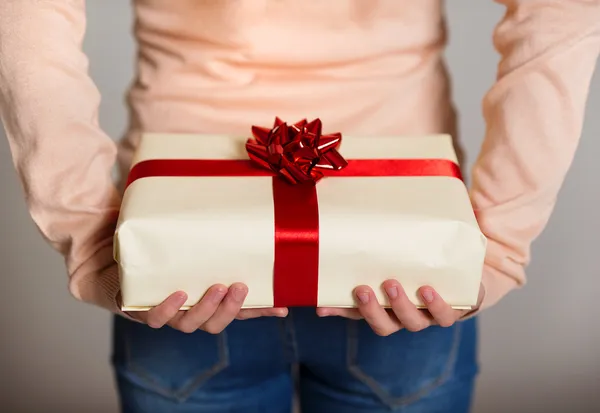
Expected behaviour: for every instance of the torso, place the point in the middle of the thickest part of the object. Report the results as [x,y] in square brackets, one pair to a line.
[219,66]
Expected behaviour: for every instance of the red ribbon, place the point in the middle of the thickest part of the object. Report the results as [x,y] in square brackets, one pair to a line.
[296,266]
[299,153]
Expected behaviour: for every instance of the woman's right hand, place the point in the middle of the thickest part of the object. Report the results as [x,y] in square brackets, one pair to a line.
[219,307]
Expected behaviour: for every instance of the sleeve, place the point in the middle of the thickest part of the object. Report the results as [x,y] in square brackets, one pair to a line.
[534,114]
[49,108]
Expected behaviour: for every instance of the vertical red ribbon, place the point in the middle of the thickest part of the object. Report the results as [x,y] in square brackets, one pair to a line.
[296,267]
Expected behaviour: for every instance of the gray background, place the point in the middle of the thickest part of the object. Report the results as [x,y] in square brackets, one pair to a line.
[540,346]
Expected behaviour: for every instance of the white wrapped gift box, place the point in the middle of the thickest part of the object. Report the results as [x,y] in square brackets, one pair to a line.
[190,232]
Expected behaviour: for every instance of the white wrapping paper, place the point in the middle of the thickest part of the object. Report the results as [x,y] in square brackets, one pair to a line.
[189,233]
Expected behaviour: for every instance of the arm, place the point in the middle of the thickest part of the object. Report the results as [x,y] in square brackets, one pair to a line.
[534,115]
[49,108]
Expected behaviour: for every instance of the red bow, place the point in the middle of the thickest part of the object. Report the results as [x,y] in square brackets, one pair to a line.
[298,152]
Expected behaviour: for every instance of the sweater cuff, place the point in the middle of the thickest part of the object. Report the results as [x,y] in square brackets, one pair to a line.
[97,282]
[495,286]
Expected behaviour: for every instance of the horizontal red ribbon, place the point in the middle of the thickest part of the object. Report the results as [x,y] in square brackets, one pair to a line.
[296,266]
[240,167]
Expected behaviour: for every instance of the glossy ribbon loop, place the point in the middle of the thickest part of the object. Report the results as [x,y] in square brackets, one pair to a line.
[298,153]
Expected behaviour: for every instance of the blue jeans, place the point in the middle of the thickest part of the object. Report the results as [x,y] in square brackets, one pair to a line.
[341,366]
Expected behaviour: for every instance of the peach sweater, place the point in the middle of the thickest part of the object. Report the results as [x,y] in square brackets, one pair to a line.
[363,67]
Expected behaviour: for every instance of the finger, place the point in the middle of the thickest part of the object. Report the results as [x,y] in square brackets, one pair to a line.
[228,310]
[201,312]
[351,313]
[165,311]
[409,315]
[377,317]
[249,313]
[442,313]
[173,321]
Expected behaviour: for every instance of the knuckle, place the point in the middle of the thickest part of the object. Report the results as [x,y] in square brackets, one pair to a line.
[231,313]
[416,327]
[382,332]
[446,322]
[403,303]
[212,329]
[186,327]
[153,323]
[188,330]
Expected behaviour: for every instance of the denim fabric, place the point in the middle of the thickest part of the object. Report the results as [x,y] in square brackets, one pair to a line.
[342,367]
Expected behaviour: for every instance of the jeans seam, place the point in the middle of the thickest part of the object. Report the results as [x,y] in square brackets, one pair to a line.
[396,402]
[283,335]
[288,338]
[293,339]
[186,390]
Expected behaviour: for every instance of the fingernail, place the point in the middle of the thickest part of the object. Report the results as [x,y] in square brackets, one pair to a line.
[427,295]
[392,292]
[238,294]
[218,295]
[181,296]
[363,297]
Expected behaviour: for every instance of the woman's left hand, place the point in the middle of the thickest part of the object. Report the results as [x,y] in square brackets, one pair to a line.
[403,313]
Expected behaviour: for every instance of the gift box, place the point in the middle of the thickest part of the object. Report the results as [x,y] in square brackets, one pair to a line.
[299,216]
